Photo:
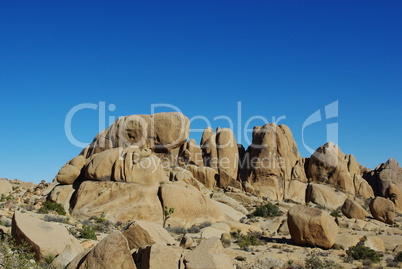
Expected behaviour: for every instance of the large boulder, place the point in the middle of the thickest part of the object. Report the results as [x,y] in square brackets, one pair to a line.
[190,205]
[382,209]
[208,254]
[120,201]
[160,132]
[270,160]
[351,209]
[67,255]
[206,175]
[158,256]
[295,191]
[44,238]
[191,153]
[71,170]
[311,226]
[62,194]
[228,155]
[395,195]
[325,196]
[142,233]
[5,187]
[111,252]
[383,176]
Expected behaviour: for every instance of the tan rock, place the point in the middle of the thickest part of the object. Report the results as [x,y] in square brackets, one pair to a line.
[208,254]
[186,241]
[44,237]
[299,172]
[395,195]
[141,233]
[346,240]
[191,207]
[216,229]
[206,175]
[123,202]
[101,165]
[111,252]
[326,196]
[191,154]
[71,170]
[228,155]
[5,187]
[351,209]
[62,194]
[248,187]
[382,209]
[312,226]
[295,191]
[375,242]
[67,255]
[158,256]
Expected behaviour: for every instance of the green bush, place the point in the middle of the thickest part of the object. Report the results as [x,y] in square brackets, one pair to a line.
[398,257]
[16,256]
[336,213]
[268,210]
[88,233]
[49,258]
[312,261]
[361,252]
[48,206]
[245,241]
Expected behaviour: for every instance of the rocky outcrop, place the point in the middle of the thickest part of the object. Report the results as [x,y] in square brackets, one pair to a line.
[44,238]
[5,187]
[71,170]
[209,254]
[190,206]
[62,194]
[351,209]
[382,209]
[141,233]
[111,252]
[191,153]
[270,159]
[295,191]
[206,175]
[325,196]
[120,201]
[158,256]
[311,226]
[160,132]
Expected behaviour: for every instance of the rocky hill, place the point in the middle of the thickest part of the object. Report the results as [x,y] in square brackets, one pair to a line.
[142,195]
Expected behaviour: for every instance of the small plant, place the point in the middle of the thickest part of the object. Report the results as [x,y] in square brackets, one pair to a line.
[268,210]
[336,214]
[361,252]
[194,229]
[245,241]
[398,257]
[102,218]
[18,256]
[312,261]
[290,262]
[54,218]
[49,258]
[166,214]
[48,206]
[177,230]
[88,233]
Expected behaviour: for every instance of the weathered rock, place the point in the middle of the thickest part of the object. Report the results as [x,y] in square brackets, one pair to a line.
[141,233]
[180,174]
[299,171]
[191,154]
[101,165]
[272,156]
[228,156]
[43,237]
[382,209]
[111,252]
[157,256]
[160,131]
[351,209]
[325,196]
[295,191]
[67,255]
[206,175]
[191,207]
[5,187]
[208,254]
[395,195]
[375,242]
[312,226]
[71,170]
[62,194]
[248,187]
[186,241]
[120,201]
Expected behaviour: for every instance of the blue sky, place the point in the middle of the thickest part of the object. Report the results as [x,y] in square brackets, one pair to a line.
[278,58]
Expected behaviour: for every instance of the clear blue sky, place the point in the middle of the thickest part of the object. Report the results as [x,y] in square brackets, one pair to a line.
[278,58]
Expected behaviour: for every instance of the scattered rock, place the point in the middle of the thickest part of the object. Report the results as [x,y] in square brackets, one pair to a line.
[186,241]
[351,209]
[383,210]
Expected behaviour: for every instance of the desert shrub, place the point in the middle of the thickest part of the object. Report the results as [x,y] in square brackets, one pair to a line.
[313,261]
[54,218]
[177,230]
[5,222]
[398,257]
[194,229]
[245,241]
[49,258]
[336,213]
[392,263]
[88,233]
[18,256]
[205,224]
[268,210]
[322,207]
[6,197]
[48,206]
[361,252]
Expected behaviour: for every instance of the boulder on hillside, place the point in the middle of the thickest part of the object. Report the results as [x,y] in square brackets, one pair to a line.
[383,210]
[5,187]
[120,201]
[325,196]
[71,170]
[111,252]
[311,226]
[160,132]
[270,160]
[44,238]
[208,254]
[351,209]
[142,233]
[191,207]
[158,256]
